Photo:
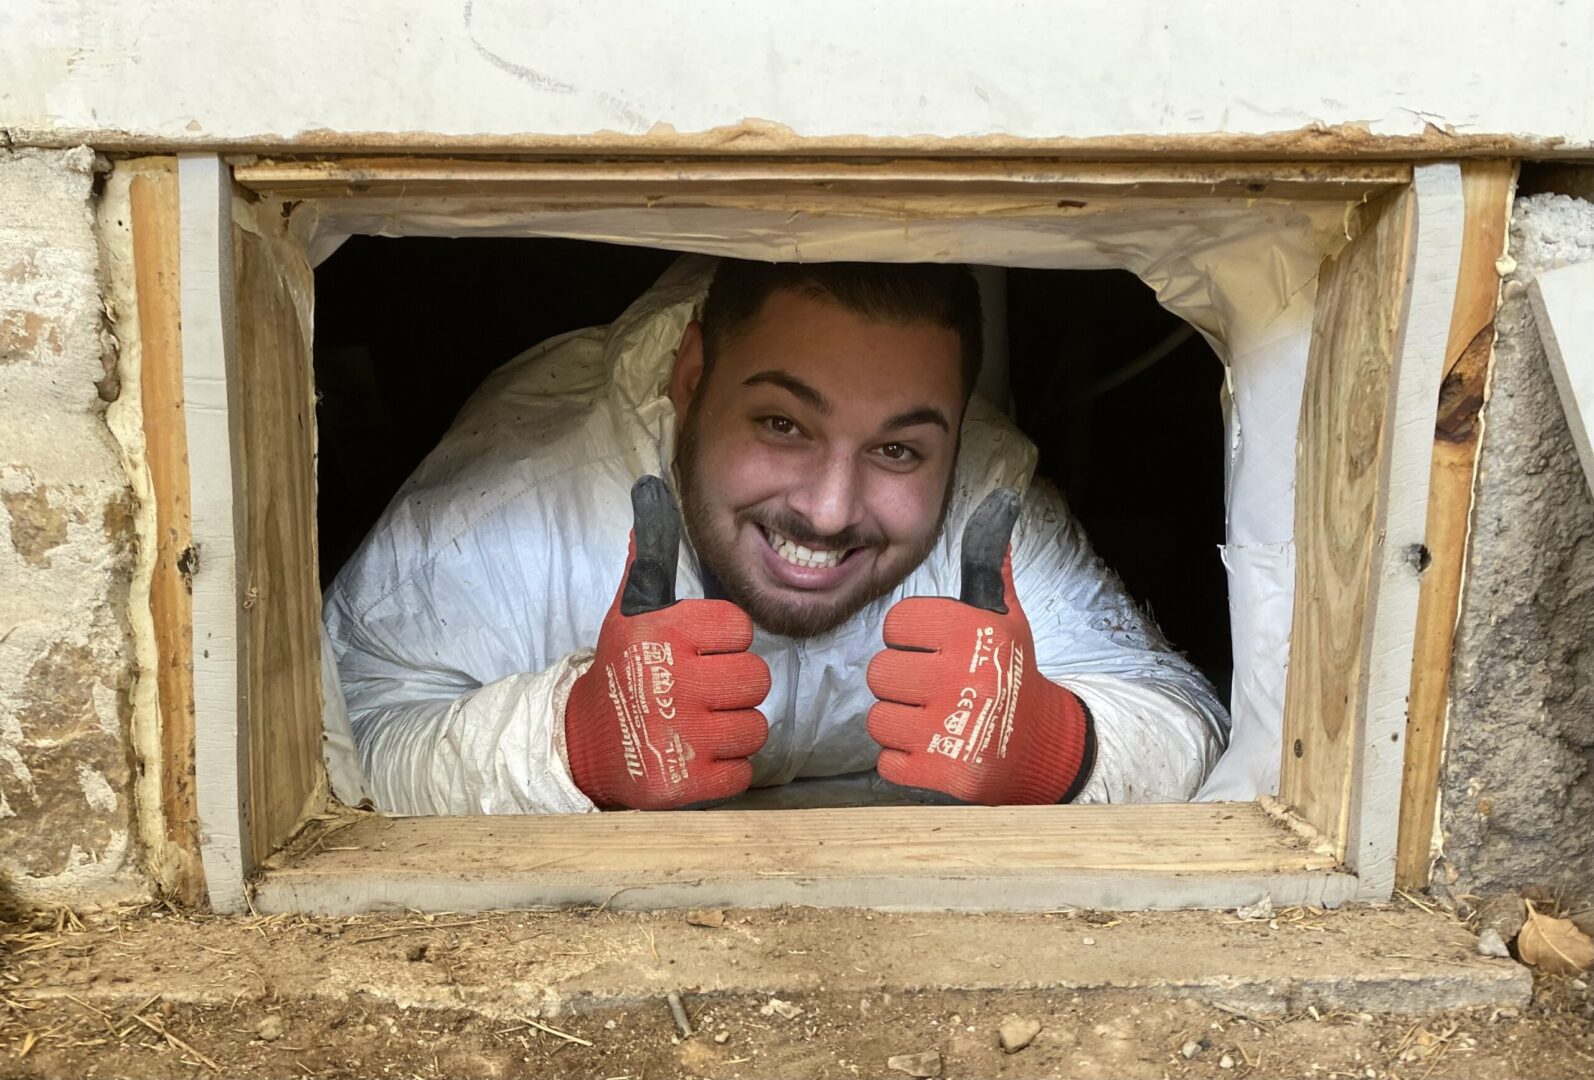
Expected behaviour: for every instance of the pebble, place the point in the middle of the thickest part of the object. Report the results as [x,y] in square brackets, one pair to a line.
[1490,943]
[722,1037]
[1017,1032]
[925,1064]
[1087,941]
[270,1029]
[713,918]
[1189,1049]
[783,1009]
[610,1025]
[1225,1062]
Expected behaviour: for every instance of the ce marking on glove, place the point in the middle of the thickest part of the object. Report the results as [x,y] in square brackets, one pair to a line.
[646,690]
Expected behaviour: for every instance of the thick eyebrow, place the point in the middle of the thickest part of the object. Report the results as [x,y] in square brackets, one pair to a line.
[924,414]
[793,386]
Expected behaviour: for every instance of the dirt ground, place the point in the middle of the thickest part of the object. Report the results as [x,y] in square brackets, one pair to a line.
[77,1002]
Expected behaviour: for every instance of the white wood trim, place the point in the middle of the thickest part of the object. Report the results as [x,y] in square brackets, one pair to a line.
[1392,594]
[221,737]
[1563,307]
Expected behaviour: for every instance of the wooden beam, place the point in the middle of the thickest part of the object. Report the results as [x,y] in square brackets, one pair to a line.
[905,858]
[586,180]
[1339,506]
[220,641]
[275,418]
[1392,599]
[1469,356]
[153,199]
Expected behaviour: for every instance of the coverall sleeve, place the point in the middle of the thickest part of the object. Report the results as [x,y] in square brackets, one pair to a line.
[434,741]
[1159,726]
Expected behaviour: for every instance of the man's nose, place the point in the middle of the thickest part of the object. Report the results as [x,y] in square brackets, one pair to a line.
[830,496]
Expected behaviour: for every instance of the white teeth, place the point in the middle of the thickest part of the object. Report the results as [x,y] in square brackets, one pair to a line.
[798,555]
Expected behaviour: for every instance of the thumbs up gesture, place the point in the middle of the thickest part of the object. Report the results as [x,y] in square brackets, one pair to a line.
[668,713]
[962,708]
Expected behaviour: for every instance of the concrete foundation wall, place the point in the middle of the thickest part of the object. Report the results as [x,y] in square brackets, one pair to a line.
[66,546]
[1518,786]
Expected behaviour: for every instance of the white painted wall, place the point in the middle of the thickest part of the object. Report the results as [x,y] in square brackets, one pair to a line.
[209,72]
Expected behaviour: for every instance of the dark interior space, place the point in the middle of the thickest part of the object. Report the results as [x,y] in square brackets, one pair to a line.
[407,329]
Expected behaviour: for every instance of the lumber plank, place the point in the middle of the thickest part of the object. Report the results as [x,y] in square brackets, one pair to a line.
[986,858]
[651,179]
[1400,533]
[1339,504]
[221,718]
[281,599]
[1469,355]
[154,207]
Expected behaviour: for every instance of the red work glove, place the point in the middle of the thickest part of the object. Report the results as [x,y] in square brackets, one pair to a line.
[667,714]
[964,711]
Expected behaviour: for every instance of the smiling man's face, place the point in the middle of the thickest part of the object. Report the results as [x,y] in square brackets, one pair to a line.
[815,458]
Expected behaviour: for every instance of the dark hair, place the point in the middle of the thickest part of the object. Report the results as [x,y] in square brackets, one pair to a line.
[902,293]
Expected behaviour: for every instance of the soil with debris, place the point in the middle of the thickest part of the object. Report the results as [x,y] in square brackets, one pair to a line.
[64,1015]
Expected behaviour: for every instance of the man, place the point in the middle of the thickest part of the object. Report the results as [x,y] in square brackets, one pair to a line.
[818,428]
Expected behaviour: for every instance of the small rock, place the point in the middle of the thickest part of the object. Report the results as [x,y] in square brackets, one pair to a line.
[925,1064]
[1189,1049]
[1504,915]
[1262,909]
[783,1009]
[1225,1062]
[416,953]
[1017,1032]
[713,918]
[1491,944]
[722,1037]
[1087,941]
[610,1025]
[270,1029]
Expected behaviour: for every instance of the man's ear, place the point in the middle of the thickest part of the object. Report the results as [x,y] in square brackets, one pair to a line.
[688,369]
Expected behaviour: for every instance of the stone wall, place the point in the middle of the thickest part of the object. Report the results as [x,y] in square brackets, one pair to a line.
[67,541]
[1518,788]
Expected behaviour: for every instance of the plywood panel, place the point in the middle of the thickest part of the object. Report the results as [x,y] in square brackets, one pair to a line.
[1469,354]
[280,597]
[1339,504]
[1014,858]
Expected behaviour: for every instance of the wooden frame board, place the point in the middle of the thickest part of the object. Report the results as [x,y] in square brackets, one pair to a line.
[1368,417]
[248,397]
[1210,855]
[1362,470]
[1487,189]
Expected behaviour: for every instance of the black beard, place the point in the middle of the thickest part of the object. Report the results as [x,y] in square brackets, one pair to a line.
[767,612]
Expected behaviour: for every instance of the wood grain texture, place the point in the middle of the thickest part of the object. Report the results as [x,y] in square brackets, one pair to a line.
[649,180]
[154,203]
[1341,460]
[1002,858]
[1487,189]
[221,717]
[1402,519]
[281,599]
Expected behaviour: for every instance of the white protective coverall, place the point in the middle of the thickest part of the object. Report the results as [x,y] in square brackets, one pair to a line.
[466,615]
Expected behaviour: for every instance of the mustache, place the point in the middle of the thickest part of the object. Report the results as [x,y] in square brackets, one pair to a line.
[796,528]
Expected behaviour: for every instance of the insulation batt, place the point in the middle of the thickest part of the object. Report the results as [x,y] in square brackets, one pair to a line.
[464,618]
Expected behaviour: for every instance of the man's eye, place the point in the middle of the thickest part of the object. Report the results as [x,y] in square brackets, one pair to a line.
[898,452]
[780,425]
